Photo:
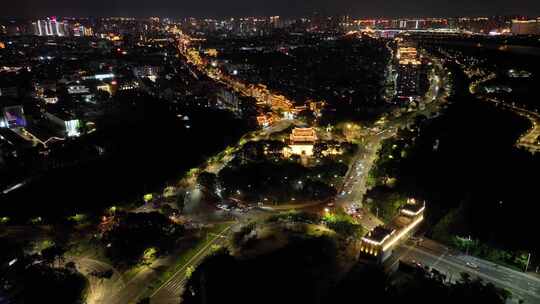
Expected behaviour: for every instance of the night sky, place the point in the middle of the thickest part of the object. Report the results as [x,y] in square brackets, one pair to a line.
[216,8]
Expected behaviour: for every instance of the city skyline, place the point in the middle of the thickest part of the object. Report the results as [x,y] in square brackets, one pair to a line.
[269,152]
[236,8]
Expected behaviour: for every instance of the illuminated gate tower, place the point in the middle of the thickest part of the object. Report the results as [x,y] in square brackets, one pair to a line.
[379,242]
[302,141]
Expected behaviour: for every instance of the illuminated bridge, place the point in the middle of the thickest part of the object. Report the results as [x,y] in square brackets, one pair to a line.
[379,242]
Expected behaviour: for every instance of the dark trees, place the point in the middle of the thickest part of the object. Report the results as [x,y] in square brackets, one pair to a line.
[136,232]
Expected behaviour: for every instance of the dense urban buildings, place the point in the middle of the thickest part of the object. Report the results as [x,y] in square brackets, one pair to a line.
[526,27]
[323,158]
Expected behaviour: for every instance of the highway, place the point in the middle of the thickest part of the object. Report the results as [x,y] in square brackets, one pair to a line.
[452,264]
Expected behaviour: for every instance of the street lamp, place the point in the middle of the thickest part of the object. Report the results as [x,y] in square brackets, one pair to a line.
[468,244]
[528,261]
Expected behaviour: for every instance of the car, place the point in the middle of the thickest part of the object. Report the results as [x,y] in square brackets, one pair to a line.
[224,207]
[472,265]
[418,264]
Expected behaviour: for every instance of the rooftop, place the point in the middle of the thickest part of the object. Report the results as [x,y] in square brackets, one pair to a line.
[303,135]
[400,221]
[413,208]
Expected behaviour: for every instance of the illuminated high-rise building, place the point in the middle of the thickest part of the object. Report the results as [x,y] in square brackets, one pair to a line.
[51,27]
[82,31]
[276,22]
[408,79]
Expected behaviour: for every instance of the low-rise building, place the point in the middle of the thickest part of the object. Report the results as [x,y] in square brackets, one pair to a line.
[11,91]
[78,88]
[67,124]
[265,120]
[227,100]
[316,107]
[12,117]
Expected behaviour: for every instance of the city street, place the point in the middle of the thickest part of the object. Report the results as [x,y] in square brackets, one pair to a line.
[355,182]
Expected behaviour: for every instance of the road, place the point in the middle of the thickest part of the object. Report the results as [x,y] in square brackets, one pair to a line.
[434,255]
[530,139]
[170,291]
[355,182]
[452,264]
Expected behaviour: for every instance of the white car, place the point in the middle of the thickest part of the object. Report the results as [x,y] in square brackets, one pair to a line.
[472,265]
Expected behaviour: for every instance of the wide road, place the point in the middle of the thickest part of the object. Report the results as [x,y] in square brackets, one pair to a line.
[355,182]
[170,291]
[452,264]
